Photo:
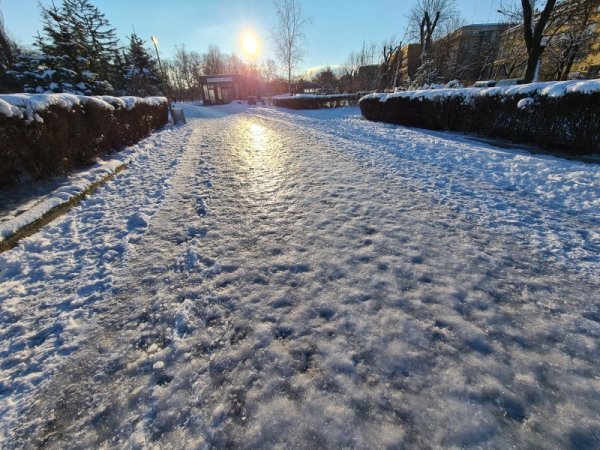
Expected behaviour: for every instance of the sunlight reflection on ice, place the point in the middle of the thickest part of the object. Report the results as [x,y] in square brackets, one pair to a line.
[263,159]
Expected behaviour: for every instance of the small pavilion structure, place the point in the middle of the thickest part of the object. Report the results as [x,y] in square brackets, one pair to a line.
[222,89]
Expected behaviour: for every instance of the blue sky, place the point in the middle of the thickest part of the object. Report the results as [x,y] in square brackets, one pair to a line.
[338,27]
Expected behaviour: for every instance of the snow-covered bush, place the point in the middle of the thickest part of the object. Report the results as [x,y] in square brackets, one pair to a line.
[314,101]
[563,115]
[49,134]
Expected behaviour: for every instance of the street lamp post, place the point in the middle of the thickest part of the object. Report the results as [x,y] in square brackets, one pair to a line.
[164,78]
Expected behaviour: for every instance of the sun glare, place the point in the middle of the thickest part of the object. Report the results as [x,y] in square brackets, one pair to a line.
[250,44]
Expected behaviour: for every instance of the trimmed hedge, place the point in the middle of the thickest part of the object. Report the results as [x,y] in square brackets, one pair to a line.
[317,101]
[59,138]
[570,122]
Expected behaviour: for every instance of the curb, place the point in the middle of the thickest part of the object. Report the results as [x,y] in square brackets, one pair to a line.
[32,226]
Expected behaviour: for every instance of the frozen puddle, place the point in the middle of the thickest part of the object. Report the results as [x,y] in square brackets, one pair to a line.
[263,280]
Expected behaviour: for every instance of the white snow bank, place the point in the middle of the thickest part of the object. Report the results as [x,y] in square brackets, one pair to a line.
[97,101]
[40,102]
[319,96]
[525,103]
[550,89]
[116,102]
[6,109]
[26,105]
[130,102]
[63,194]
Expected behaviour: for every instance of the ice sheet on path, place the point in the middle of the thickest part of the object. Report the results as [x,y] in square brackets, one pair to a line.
[550,205]
[298,288]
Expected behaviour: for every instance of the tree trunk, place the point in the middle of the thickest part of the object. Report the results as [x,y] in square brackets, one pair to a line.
[533,63]
[570,62]
[534,33]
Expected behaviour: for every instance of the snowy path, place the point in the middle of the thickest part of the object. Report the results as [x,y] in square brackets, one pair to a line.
[267,279]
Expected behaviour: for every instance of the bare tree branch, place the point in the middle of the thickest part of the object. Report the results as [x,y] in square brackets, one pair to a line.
[426,19]
[288,35]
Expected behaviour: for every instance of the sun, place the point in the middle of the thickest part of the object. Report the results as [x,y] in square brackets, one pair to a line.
[250,44]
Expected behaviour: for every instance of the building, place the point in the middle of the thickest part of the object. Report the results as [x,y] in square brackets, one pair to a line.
[367,78]
[511,60]
[222,89]
[572,39]
[410,62]
[468,54]
[589,66]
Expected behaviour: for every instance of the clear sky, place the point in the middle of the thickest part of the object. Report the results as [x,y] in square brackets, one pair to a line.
[338,26]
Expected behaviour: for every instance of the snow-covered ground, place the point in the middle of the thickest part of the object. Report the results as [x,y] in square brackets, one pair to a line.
[31,200]
[310,279]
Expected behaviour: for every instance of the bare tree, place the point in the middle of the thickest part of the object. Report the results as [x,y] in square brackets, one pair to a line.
[350,66]
[534,26]
[288,35]
[184,72]
[564,30]
[573,32]
[512,56]
[182,67]
[362,58]
[269,70]
[426,18]
[387,68]
[398,62]
[195,67]
[459,56]
[213,61]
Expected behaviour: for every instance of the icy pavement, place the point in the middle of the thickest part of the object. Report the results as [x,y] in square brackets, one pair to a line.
[263,278]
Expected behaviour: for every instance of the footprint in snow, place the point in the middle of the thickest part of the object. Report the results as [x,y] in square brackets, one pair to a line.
[136,222]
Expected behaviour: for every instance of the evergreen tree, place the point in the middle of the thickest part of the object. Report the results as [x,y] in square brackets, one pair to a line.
[119,75]
[98,38]
[327,79]
[6,48]
[426,75]
[77,47]
[141,77]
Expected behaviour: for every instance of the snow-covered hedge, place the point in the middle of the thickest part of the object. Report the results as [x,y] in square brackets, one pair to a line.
[563,115]
[315,101]
[49,134]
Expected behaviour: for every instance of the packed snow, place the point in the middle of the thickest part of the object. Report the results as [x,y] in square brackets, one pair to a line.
[267,278]
[526,103]
[78,183]
[6,109]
